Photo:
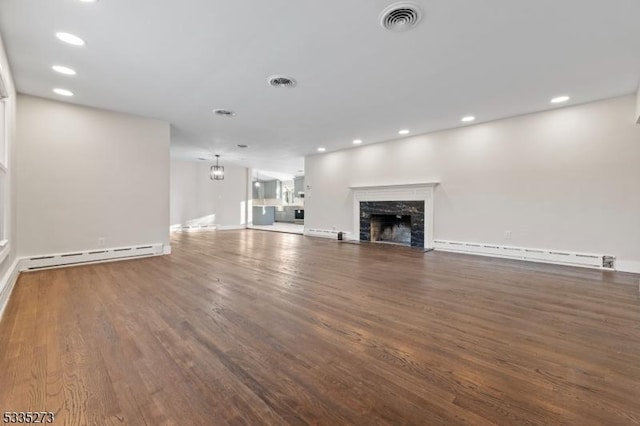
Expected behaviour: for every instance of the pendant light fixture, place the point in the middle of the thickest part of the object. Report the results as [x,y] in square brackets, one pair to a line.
[217,171]
[257,184]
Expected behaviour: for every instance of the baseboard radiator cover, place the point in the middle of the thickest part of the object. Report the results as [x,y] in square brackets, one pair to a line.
[90,256]
[560,257]
[190,228]
[176,228]
[326,233]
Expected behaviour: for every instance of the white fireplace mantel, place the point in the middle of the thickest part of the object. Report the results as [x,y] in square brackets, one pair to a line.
[396,192]
[399,186]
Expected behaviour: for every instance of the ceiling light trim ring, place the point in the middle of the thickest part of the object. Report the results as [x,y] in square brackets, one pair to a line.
[61,69]
[63,92]
[71,39]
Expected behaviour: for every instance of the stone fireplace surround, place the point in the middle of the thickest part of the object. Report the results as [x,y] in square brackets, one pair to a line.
[422,192]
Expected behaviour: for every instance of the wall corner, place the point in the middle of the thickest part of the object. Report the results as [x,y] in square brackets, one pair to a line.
[637,114]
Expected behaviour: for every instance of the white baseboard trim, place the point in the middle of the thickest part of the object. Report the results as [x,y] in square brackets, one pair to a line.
[7,283]
[90,256]
[166,249]
[628,266]
[230,227]
[558,257]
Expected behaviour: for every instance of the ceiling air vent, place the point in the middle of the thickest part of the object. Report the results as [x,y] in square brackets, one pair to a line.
[400,17]
[282,81]
[224,113]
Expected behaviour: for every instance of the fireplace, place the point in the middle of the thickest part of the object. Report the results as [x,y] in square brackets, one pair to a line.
[412,199]
[398,222]
[390,228]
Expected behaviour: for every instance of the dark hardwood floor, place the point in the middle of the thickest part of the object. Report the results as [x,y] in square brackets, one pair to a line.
[253,327]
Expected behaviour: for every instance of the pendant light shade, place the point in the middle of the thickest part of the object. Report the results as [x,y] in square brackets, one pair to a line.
[217,171]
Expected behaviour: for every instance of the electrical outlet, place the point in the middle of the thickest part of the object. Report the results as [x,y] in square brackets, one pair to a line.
[507,235]
[101,242]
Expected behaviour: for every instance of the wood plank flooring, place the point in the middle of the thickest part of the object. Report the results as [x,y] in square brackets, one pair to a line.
[253,327]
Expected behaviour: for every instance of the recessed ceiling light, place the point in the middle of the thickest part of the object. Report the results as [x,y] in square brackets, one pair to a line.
[224,113]
[63,70]
[282,81]
[403,132]
[241,145]
[63,92]
[300,171]
[71,39]
[321,149]
[468,118]
[357,141]
[560,99]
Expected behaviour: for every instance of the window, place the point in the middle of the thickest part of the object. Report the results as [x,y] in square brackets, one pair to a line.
[3,150]
[3,127]
[3,201]
[4,197]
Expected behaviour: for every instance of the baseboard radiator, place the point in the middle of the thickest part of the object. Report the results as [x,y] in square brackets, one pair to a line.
[192,227]
[588,260]
[326,233]
[98,255]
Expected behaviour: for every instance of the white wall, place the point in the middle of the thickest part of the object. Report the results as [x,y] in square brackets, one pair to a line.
[564,179]
[198,200]
[85,174]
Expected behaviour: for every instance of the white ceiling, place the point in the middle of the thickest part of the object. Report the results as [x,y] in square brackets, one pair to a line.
[178,60]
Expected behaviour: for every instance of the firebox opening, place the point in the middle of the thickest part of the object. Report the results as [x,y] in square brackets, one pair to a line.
[391,228]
